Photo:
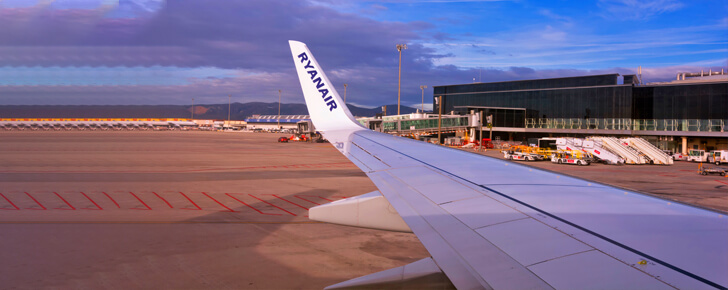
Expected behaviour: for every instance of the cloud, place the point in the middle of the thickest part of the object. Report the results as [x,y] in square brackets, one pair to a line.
[551,15]
[247,40]
[191,33]
[637,9]
[552,47]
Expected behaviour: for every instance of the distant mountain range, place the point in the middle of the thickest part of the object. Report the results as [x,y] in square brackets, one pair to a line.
[238,111]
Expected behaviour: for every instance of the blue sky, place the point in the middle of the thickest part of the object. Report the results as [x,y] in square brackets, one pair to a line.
[156,52]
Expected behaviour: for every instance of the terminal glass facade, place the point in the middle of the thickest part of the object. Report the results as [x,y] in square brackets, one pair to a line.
[596,102]
[704,101]
[578,97]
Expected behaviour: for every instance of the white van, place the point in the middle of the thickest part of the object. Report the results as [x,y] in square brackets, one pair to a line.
[697,155]
[718,157]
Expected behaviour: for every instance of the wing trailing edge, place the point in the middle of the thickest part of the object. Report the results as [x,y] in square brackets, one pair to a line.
[422,274]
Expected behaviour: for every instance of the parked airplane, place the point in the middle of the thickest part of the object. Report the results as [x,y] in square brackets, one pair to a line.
[493,224]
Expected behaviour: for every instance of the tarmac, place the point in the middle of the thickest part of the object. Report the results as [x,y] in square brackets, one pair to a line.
[211,210]
[180,210]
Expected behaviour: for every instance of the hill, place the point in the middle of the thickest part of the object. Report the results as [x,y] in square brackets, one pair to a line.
[238,111]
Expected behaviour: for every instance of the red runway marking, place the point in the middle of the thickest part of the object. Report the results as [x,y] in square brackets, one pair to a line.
[92,201]
[64,200]
[193,203]
[107,195]
[165,201]
[273,205]
[36,201]
[140,200]
[240,201]
[10,202]
[307,200]
[340,164]
[293,203]
[219,203]
[721,181]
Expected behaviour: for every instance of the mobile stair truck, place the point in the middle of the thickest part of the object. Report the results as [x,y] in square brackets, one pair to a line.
[591,147]
[596,149]
[656,155]
[630,155]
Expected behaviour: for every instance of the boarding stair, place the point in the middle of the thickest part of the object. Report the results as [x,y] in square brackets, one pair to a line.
[654,153]
[589,146]
[596,149]
[630,155]
[568,143]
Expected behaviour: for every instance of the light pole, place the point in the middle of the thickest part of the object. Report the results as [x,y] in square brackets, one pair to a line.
[422,106]
[279,109]
[481,131]
[400,47]
[345,85]
[439,120]
[229,110]
[193,109]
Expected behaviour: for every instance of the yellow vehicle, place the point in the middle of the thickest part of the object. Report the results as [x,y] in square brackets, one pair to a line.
[571,157]
[545,152]
[525,153]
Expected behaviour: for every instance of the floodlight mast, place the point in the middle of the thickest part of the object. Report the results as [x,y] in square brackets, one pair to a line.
[422,106]
[345,85]
[279,109]
[400,47]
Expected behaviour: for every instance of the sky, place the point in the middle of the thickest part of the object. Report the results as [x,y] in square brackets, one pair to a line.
[127,52]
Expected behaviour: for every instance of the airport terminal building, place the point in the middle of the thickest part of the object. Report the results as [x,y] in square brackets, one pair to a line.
[690,112]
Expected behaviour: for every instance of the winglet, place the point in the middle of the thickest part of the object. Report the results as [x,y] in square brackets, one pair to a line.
[328,112]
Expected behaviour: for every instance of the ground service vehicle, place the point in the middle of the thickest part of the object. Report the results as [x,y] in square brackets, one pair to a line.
[706,171]
[571,157]
[487,144]
[718,157]
[283,140]
[521,153]
[697,155]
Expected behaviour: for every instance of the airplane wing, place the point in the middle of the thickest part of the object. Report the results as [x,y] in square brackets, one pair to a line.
[493,224]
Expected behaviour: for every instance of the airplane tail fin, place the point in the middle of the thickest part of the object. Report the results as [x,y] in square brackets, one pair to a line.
[328,112]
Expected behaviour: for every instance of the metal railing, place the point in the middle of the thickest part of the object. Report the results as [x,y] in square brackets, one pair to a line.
[690,125]
[421,124]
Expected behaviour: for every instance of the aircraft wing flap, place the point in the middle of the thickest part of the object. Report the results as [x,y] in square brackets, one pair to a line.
[470,212]
[499,255]
[432,184]
[466,257]
[594,270]
[365,160]
[530,242]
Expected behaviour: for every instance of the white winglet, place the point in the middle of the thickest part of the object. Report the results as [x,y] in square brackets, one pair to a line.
[328,112]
